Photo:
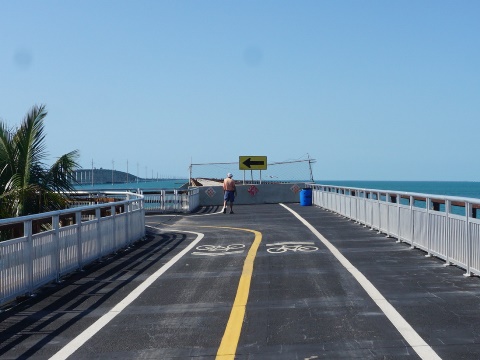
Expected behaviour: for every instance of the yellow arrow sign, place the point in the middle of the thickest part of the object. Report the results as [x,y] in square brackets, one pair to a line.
[252,163]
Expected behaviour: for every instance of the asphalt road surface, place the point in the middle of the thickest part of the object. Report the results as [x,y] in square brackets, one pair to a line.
[268,282]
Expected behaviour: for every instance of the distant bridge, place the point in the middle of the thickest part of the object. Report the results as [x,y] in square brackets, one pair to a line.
[104,176]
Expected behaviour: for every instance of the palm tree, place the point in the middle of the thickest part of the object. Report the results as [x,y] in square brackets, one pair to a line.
[27,186]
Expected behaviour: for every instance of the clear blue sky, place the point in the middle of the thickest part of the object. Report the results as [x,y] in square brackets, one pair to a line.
[374,90]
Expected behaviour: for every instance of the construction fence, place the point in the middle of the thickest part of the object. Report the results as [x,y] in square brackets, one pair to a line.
[276,172]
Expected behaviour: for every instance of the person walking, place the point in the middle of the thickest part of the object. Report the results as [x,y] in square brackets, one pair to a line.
[229,192]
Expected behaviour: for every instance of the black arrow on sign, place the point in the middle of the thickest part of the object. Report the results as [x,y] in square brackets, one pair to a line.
[249,162]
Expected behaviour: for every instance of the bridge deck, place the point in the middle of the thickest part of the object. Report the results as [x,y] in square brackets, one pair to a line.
[172,296]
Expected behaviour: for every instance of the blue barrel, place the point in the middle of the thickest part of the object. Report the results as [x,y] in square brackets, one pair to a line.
[306,197]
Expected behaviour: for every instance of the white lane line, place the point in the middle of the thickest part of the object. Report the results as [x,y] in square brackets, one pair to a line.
[88,333]
[406,330]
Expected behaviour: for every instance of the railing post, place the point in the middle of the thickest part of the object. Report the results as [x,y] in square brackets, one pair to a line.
[379,214]
[176,199]
[448,243]
[412,222]
[355,195]
[399,237]
[162,200]
[468,212]
[371,210]
[338,201]
[365,196]
[357,205]
[99,232]
[353,205]
[27,232]
[113,214]
[350,199]
[78,225]
[127,222]
[56,241]
[328,199]
[429,242]
[324,198]
[387,199]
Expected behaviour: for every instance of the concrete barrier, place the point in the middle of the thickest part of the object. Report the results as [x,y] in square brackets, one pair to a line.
[253,194]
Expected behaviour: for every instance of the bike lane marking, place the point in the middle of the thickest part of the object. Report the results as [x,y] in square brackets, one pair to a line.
[231,336]
[406,330]
[89,332]
[212,250]
[294,246]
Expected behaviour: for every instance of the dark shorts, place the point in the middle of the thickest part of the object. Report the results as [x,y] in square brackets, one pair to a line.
[229,196]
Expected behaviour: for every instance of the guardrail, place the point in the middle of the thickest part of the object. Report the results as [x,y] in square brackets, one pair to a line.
[45,246]
[155,200]
[184,201]
[443,226]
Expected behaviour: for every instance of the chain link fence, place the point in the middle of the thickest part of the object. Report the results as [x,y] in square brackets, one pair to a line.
[276,172]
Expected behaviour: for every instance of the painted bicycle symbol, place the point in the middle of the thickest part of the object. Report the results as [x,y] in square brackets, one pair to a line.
[282,247]
[216,250]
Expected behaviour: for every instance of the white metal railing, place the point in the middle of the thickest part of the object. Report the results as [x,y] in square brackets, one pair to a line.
[46,246]
[184,201]
[444,226]
[156,200]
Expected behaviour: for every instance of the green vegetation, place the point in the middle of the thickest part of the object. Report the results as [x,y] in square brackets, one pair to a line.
[27,185]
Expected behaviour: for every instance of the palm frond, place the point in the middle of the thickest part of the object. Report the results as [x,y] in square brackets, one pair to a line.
[60,177]
[7,155]
[26,185]
[30,142]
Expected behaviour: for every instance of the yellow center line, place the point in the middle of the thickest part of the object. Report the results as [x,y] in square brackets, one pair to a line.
[228,346]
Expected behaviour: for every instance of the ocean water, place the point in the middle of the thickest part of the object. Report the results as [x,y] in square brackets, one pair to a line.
[470,189]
